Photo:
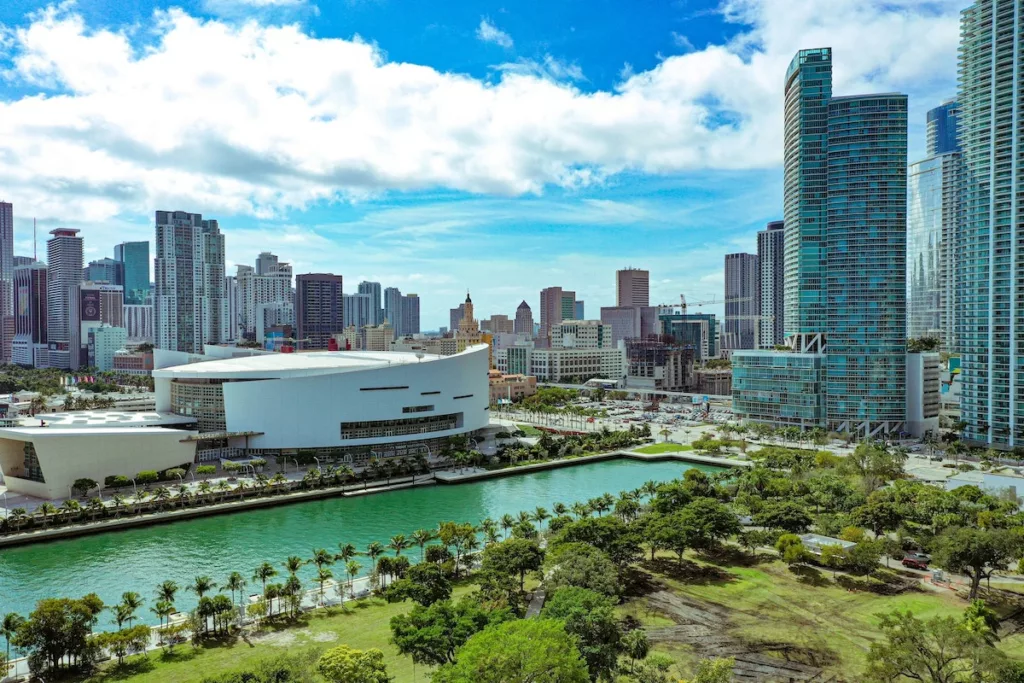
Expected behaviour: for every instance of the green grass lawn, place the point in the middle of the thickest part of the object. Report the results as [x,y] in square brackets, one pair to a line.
[529,430]
[655,448]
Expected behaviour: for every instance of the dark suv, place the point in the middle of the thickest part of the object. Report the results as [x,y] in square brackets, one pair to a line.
[916,561]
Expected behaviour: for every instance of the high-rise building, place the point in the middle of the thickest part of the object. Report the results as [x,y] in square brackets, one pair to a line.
[393,308]
[455,316]
[233,318]
[106,270]
[942,127]
[771,248]
[92,304]
[30,301]
[255,288]
[498,324]
[934,211]
[376,311]
[135,257]
[865,366]
[742,279]
[190,302]
[410,308]
[623,321]
[138,322]
[579,310]
[266,263]
[23,260]
[632,287]
[357,310]
[103,342]
[64,271]
[990,266]
[6,279]
[319,309]
[696,330]
[524,320]
[556,305]
[808,89]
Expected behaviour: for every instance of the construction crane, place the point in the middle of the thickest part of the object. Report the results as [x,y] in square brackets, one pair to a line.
[709,302]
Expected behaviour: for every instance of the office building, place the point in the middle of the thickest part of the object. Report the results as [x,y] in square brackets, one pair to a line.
[135,259]
[632,287]
[941,131]
[393,308]
[771,249]
[524,320]
[865,367]
[563,365]
[6,279]
[138,323]
[579,310]
[266,263]
[923,394]
[357,310]
[189,302]
[934,212]
[556,305]
[232,319]
[498,324]
[808,90]
[30,297]
[378,337]
[274,329]
[108,270]
[104,342]
[581,334]
[742,281]
[23,260]
[92,304]
[991,323]
[376,311]
[455,316]
[779,388]
[269,283]
[623,321]
[410,314]
[696,330]
[64,272]
[656,365]
[319,309]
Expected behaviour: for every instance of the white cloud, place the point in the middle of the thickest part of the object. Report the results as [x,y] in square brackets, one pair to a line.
[245,118]
[682,42]
[549,67]
[489,33]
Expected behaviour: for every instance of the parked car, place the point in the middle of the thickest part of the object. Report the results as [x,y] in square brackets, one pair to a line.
[916,561]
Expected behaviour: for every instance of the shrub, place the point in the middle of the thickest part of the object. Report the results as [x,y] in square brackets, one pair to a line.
[147,477]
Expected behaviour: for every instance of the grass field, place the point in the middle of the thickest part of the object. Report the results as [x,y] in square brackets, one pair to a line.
[529,430]
[655,448]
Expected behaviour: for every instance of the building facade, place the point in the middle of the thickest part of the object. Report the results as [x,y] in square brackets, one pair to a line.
[581,334]
[93,305]
[410,318]
[563,365]
[105,341]
[106,270]
[698,330]
[632,287]
[319,309]
[64,272]
[779,388]
[270,284]
[6,276]
[941,129]
[138,321]
[865,367]
[190,303]
[556,305]
[742,315]
[357,310]
[808,89]
[376,310]
[624,322]
[524,320]
[30,297]
[771,249]
[923,394]
[135,259]
[991,262]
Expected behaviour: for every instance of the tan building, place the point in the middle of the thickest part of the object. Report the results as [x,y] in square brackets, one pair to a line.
[632,287]
[378,337]
[511,387]
[714,381]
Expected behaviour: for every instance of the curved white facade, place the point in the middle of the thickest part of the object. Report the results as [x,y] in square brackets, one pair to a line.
[339,399]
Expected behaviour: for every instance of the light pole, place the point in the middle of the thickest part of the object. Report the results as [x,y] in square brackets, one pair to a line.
[135,488]
[296,465]
[317,464]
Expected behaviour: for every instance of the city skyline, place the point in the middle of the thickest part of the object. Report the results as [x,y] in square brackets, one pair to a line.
[439,239]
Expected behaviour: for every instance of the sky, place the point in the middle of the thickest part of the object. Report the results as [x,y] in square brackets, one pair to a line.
[495,146]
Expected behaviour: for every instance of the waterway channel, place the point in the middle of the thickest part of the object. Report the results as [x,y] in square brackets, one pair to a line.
[139,559]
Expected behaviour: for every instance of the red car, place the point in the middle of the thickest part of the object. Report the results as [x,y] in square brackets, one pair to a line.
[916,561]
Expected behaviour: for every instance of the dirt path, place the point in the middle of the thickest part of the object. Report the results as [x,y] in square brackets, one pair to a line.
[702,626]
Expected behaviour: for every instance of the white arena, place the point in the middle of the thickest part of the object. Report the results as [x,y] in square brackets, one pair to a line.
[358,404]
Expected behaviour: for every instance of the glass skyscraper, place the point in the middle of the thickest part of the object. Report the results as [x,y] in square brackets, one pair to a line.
[808,89]
[990,266]
[865,367]
[135,257]
[941,128]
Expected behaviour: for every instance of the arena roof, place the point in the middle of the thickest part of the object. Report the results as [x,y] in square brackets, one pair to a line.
[105,418]
[281,365]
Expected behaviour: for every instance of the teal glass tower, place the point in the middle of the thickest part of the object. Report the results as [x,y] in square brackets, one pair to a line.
[808,89]
[135,257]
[866,240]
[990,264]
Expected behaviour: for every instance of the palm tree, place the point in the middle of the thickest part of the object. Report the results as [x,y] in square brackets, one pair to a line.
[581,510]
[373,551]
[293,564]
[181,493]
[524,517]
[95,508]
[321,558]
[398,543]
[352,568]
[201,585]
[540,515]
[346,552]
[492,535]
[506,523]
[131,601]
[323,575]
[650,488]
[422,537]
[204,488]
[17,517]
[222,488]
[8,627]
[160,495]
[235,582]
[70,509]
[163,610]
[166,591]
[263,572]
[119,502]
[560,509]
[46,510]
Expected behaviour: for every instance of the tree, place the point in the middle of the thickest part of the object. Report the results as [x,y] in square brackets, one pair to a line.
[591,618]
[714,671]
[424,583]
[57,628]
[431,635]
[534,650]
[84,485]
[514,557]
[635,645]
[938,650]
[787,515]
[791,548]
[582,565]
[131,602]
[976,553]
[201,585]
[263,572]
[422,537]
[834,557]
[12,621]
[621,542]
[707,522]
[342,664]
[671,497]
[879,516]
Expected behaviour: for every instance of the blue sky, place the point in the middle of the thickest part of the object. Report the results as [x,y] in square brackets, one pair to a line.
[497,146]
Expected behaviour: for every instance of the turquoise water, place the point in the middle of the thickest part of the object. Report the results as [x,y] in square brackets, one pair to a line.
[139,559]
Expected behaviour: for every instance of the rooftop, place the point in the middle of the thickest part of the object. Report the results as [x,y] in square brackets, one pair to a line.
[104,418]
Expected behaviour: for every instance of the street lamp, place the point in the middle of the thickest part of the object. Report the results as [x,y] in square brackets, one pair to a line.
[317,463]
[135,488]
